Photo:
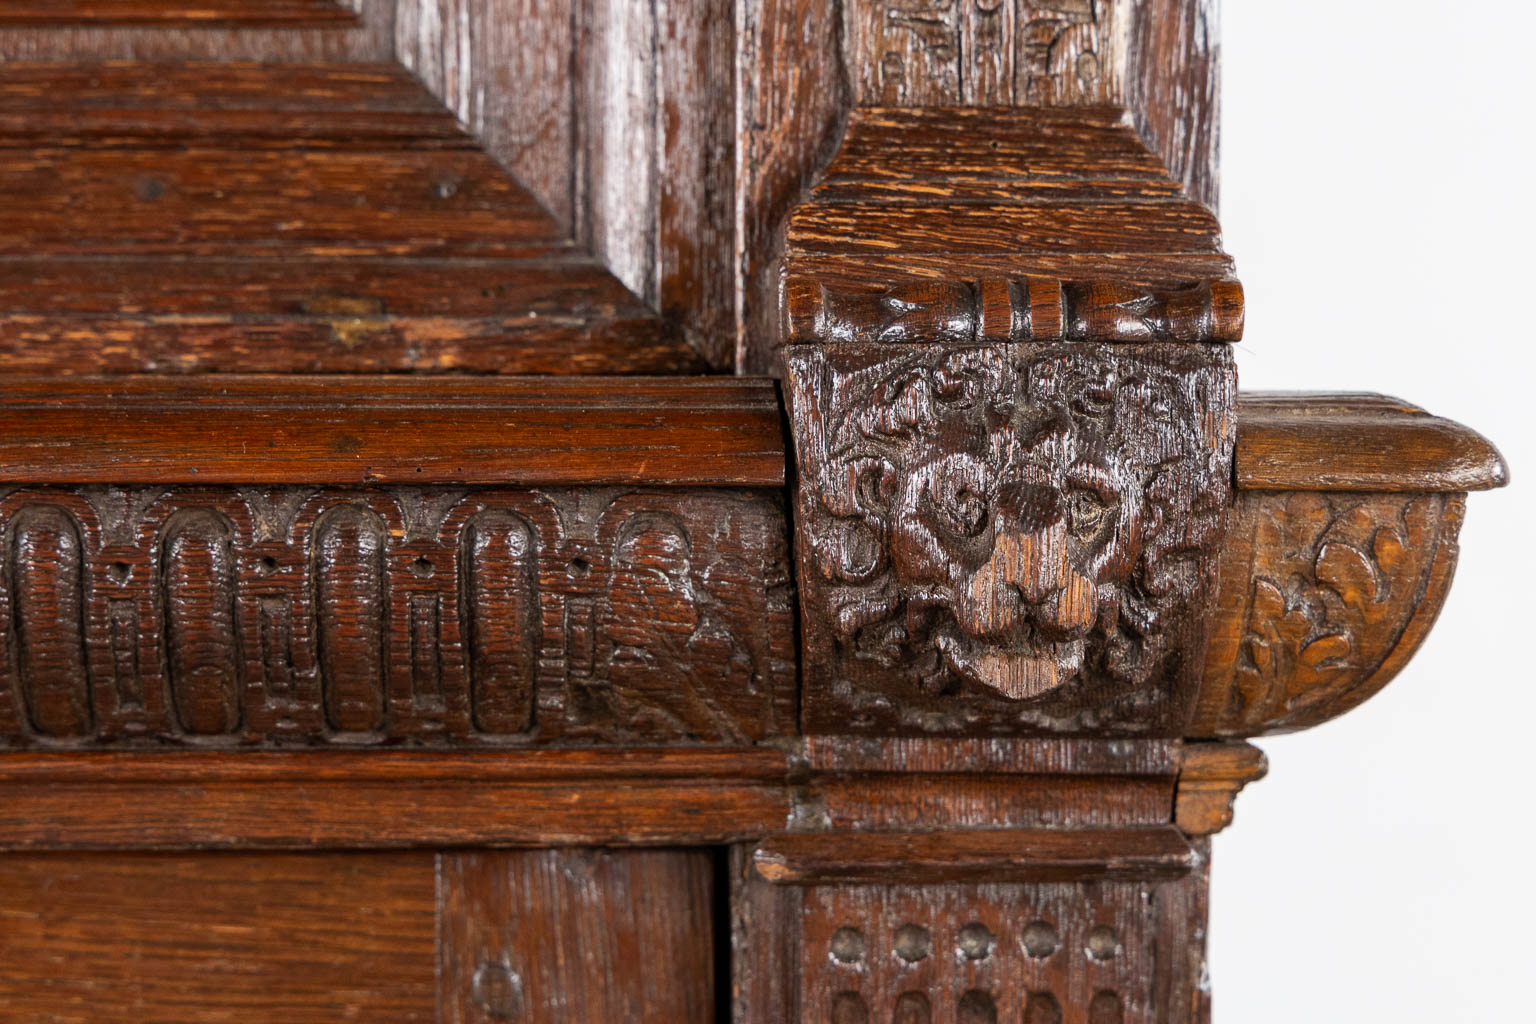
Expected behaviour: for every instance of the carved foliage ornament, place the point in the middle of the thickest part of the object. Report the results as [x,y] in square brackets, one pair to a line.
[1008,538]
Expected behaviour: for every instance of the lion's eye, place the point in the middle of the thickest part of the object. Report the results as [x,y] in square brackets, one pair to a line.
[1093,402]
[1087,512]
[969,512]
[870,485]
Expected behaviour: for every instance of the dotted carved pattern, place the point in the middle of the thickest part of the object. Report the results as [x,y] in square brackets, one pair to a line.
[424,616]
[968,954]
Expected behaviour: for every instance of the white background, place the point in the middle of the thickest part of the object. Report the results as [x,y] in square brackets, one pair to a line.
[1378,192]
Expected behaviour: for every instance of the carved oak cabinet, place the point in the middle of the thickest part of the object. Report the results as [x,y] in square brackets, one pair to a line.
[600,510]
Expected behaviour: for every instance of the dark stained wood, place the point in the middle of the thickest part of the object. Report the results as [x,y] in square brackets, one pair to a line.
[979,237]
[361,36]
[177,12]
[792,97]
[125,104]
[1148,227]
[999,310]
[279,938]
[994,952]
[1324,597]
[168,206]
[347,430]
[79,316]
[983,855]
[502,68]
[1173,87]
[579,935]
[1210,778]
[218,202]
[379,800]
[922,783]
[965,541]
[996,53]
[609,112]
[242,616]
[1363,443]
[765,944]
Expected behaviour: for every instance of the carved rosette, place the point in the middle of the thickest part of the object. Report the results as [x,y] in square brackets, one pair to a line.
[1005,538]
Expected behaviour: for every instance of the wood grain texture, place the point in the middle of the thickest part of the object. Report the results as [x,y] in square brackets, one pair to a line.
[923,195]
[965,520]
[381,800]
[1324,597]
[318,430]
[982,855]
[422,616]
[974,953]
[579,935]
[765,944]
[1361,443]
[1211,776]
[203,216]
[1013,310]
[202,939]
[1173,88]
[908,783]
[984,52]
[124,315]
[792,96]
[179,12]
[365,35]
[502,69]
[610,113]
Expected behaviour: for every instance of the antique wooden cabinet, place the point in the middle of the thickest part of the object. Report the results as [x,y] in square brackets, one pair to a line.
[651,510]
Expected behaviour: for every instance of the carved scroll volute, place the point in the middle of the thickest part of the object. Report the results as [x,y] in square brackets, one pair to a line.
[1011,500]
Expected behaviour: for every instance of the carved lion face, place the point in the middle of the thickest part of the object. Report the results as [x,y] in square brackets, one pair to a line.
[1015,519]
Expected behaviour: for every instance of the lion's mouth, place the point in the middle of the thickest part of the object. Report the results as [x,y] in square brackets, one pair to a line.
[1015,674]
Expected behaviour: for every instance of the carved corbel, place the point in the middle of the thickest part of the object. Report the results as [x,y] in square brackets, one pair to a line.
[1011,497]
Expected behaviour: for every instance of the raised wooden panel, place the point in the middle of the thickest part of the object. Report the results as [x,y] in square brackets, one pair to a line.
[199,939]
[579,936]
[178,12]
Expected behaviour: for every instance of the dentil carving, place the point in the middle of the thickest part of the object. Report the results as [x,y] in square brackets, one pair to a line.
[1007,537]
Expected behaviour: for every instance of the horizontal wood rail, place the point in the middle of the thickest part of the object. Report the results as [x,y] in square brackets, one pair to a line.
[526,431]
[1324,441]
[542,431]
[990,856]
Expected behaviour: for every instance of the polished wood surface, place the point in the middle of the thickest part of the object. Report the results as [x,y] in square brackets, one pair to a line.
[184,939]
[363,488]
[579,934]
[405,430]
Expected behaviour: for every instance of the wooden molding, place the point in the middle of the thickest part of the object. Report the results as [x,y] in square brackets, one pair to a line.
[318,430]
[1000,310]
[1211,777]
[1295,441]
[178,13]
[993,856]
[383,799]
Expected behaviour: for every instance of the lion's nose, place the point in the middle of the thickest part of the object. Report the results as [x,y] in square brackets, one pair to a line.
[1028,508]
[1030,574]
